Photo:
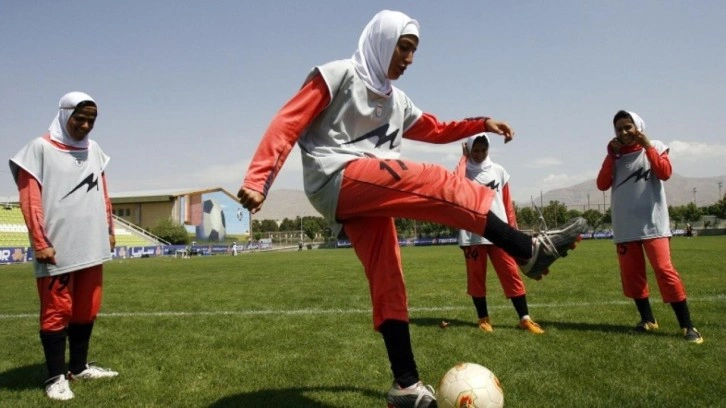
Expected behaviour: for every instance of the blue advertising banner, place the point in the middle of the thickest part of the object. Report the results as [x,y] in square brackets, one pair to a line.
[15,255]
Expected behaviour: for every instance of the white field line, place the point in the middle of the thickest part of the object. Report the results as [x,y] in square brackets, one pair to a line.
[571,305]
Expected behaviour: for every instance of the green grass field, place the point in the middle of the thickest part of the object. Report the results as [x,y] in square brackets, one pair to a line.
[294,330]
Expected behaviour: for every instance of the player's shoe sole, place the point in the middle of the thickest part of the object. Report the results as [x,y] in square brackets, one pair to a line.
[552,245]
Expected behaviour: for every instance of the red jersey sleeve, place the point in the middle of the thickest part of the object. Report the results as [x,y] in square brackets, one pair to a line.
[605,176]
[109,212]
[428,129]
[284,131]
[460,169]
[660,164]
[31,205]
[509,206]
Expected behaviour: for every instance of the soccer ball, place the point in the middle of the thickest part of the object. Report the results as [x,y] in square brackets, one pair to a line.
[214,227]
[469,385]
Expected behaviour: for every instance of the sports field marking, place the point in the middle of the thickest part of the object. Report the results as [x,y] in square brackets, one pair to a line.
[716,298]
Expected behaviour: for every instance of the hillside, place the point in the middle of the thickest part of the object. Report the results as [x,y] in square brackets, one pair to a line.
[679,191]
[282,204]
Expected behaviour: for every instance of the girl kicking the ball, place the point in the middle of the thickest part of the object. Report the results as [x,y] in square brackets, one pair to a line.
[349,120]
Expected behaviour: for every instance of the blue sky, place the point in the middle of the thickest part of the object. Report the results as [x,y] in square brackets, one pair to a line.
[186,89]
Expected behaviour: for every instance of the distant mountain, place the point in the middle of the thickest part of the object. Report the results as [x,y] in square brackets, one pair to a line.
[290,204]
[679,191]
[281,204]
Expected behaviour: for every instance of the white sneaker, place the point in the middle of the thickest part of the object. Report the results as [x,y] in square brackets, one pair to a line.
[415,396]
[92,372]
[58,388]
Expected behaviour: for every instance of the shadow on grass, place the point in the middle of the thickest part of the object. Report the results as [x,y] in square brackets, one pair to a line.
[598,327]
[23,378]
[289,397]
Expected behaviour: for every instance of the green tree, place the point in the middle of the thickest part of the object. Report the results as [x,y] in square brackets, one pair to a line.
[594,218]
[607,218]
[170,231]
[555,213]
[405,227]
[268,226]
[691,212]
[573,213]
[719,208]
[255,227]
[290,225]
[676,215]
[313,226]
[526,217]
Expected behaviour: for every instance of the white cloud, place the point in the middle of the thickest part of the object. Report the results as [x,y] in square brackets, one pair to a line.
[543,162]
[696,151]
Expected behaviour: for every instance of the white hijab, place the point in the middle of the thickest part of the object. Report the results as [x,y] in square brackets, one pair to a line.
[637,120]
[473,168]
[376,45]
[66,106]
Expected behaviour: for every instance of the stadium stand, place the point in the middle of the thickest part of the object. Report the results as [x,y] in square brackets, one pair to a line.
[14,233]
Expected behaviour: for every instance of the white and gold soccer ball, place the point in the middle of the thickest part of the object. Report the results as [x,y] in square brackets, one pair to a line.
[469,385]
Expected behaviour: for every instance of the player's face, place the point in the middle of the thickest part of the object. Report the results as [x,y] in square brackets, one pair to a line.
[479,152]
[402,56]
[625,131]
[81,122]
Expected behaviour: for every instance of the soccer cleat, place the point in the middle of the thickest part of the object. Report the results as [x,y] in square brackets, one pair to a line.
[58,388]
[415,396]
[692,335]
[92,372]
[485,324]
[551,245]
[530,326]
[645,326]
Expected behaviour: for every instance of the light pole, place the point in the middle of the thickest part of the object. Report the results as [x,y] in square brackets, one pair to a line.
[719,190]
[694,197]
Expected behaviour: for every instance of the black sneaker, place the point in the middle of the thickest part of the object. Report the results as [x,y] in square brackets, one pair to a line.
[551,245]
[415,396]
[692,335]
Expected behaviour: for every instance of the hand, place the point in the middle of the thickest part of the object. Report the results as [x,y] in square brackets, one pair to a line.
[500,128]
[46,256]
[112,241]
[641,139]
[614,146]
[250,199]
[464,150]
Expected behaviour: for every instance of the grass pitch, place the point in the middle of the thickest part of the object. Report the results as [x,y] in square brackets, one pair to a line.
[294,330]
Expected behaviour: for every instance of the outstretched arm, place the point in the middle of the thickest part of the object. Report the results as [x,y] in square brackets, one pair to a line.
[279,139]
[428,129]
